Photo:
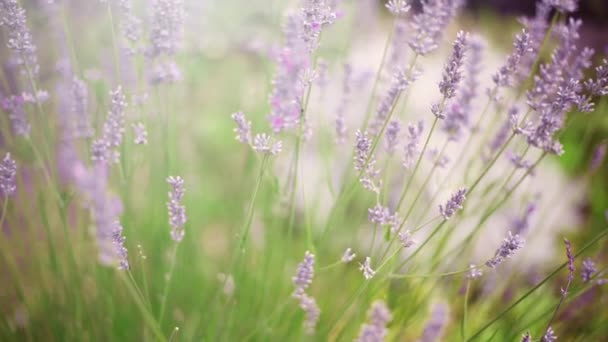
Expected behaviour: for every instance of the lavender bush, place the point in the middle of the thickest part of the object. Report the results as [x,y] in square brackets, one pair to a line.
[309,170]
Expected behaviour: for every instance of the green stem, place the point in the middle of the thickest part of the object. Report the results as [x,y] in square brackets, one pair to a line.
[148,318]
[168,284]
[463,326]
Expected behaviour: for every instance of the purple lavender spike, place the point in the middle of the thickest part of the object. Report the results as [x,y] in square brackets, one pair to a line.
[8,175]
[435,325]
[507,249]
[414,132]
[375,329]
[13,105]
[177,211]
[119,244]
[167,27]
[312,311]
[243,127]
[366,269]
[454,204]
[398,7]
[549,336]
[588,270]
[304,274]
[564,6]
[428,26]
[12,16]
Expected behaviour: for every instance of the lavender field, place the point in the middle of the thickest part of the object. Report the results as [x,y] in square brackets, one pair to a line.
[303,170]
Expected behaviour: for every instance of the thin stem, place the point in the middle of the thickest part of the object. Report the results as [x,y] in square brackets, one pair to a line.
[168,283]
[152,324]
[4,206]
[465,310]
[114,43]
[428,275]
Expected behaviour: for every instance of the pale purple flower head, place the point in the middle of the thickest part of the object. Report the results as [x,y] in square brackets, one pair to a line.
[435,325]
[406,239]
[588,270]
[453,204]
[166,27]
[392,136]
[522,46]
[20,42]
[165,72]
[599,86]
[570,255]
[428,25]
[414,132]
[348,256]
[105,149]
[264,143]
[130,24]
[341,129]
[599,154]
[474,272]
[398,7]
[312,311]
[140,133]
[401,80]
[381,215]
[549,336]
[452,73]
[375,329]
[315,15]
[521,223]
[80,109]
[366,268]
[526,337]
[13,105]
[243,127]
[365,162]
[119,244]
[564,6]
[507,249]
[304,274]
[177,211]
[8,175]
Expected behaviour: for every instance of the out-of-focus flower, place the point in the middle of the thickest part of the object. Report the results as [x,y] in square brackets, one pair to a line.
[507,249]
[8,175]
[366,268]
[177,211]
[454,204]
[375,329]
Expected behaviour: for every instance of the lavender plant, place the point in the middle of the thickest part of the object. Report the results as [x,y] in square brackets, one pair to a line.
[408,192]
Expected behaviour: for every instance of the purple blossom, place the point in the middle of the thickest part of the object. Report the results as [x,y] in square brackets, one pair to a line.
[348,256]
[428,25]
[521,224]
[400,82]
[457,114]
[588,270]
[392,136]
[406,239]
[366,268]
[264,143]
[80,109]
[564,6]
[398,7]
[435,325]
[507,249]
[8,175]
[119,244]
[522,46]
[537,28]
[375,329]
[312,311]
[131,25]
[140,133]
[474,272]
[526,337]
[598,156]
[166,72]
[549,336]
[453,204]
[315,15]
[105,149]
[243,127]
[177,211]
[381,215]
[365,162]
[452,73]
[571,268]
[166,27]
[12,16]
[414,132]
[599,86]
[304,274]
[518,161]
[438,159]
[13,105]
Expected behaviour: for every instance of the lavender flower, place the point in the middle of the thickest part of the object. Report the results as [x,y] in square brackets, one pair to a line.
[400,82]
[105,148]
[398,7]
[166,27]
[452,73]
[166,72]
[310,307]
[588,270]
[434,327]
[243,127]
[392,136]
[414,132]
[348,256]
[549,336]
[177,211]
[8,174]
[131,25]
[526,337]
[263,143]
[570,255]
[406,239]
[141,135]
[500,138]
[454,204]
[435,156]
[518,161]
[599,86]
[13,105]
[375,330]
[428,25]
[522,45]
[365,162]
[457,115]
[304,274]
[564,6]
[506,250]
[119,244]
[366,268]
[474,272]
[381,215]
[598,156]
[12,16]
[315,15]
[521,224]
